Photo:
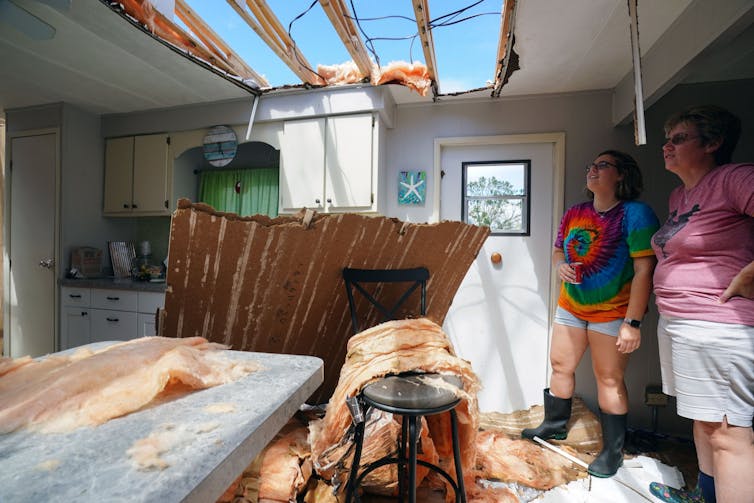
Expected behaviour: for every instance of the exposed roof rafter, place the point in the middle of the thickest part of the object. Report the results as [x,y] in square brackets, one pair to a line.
[421,13]
[342,20]
[215,43]
[271,31]
[505,47]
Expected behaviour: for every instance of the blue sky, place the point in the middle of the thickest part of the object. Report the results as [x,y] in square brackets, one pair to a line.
[465,51]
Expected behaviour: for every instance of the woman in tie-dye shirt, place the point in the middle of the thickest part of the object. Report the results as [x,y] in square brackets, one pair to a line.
[610,236]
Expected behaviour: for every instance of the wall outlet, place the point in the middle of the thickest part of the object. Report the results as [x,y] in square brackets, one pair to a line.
[654,397]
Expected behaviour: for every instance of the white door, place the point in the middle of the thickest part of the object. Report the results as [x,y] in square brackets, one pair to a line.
[500,317]
[32,244]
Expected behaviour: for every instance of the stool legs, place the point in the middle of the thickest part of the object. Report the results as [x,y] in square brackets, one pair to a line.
[406,465]
[461,491]
[358,440]
[412,439]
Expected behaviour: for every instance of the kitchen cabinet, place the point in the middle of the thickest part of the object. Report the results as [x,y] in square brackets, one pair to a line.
[99,314]
[329,164]
[138,176]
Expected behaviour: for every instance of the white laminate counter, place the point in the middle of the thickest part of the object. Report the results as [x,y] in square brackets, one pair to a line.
[91,464]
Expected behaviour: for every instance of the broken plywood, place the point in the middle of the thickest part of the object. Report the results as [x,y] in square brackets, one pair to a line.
[275,285]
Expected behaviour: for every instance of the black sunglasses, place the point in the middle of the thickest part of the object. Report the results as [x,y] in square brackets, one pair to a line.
[680,138]
[599,165]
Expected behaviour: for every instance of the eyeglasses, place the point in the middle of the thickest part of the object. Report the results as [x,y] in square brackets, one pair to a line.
[599,165]
[680,138]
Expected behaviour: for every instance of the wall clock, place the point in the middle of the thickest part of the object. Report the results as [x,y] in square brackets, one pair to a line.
[220,146]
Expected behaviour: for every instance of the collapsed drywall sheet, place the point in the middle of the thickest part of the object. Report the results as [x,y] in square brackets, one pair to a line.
[275,285]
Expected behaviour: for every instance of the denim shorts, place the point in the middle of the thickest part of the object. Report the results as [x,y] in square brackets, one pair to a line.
[566,318]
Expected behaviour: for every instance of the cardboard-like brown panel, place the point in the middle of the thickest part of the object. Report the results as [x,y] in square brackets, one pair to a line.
[275,285]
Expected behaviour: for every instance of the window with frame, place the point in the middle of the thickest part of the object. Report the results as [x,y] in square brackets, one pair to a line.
[496,195]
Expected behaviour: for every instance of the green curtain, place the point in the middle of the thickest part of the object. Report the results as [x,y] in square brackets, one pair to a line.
[241,191]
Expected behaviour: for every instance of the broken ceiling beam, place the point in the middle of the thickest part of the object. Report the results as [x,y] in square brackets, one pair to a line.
[342,21]
[153,21]
[275,285]
[421,13]
[263,21]
[215,43]
[504,66]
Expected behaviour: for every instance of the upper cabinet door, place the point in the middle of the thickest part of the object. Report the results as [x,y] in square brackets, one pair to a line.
[119,160]
[348,162]
[302,165]
[152,176]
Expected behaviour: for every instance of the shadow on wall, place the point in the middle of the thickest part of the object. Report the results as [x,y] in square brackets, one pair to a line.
[2,205]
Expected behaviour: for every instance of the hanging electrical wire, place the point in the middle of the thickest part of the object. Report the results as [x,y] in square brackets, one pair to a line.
[295,46]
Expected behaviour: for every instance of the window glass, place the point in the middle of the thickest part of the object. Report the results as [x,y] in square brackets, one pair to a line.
[496,195]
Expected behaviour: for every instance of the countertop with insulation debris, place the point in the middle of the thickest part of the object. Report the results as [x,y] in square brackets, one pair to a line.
[210,437]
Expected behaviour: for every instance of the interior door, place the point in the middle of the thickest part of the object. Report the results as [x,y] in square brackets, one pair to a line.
[500,317]
[32,244]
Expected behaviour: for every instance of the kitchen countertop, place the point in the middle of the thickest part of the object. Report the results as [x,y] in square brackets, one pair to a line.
[114,284]
[91,464]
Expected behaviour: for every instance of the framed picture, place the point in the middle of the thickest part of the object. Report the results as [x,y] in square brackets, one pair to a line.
[412,187]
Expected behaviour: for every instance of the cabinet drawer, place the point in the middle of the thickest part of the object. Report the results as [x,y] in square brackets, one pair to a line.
[147,325]
[107,325]
[121,300]
[74,297]
[149,302]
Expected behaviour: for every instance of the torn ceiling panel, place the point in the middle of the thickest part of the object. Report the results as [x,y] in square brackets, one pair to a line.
[261,18]
[275,286]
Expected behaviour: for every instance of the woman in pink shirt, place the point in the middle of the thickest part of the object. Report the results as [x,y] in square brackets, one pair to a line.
[704,287]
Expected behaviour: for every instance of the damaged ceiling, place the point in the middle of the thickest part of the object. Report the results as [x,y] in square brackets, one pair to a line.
[93,55]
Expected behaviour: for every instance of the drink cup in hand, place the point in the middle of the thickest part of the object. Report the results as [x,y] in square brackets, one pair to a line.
[578,269]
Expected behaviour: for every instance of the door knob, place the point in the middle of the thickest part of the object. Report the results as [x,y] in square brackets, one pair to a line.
[48,263]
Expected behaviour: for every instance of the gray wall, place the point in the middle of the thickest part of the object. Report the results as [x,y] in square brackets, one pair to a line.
[586,120]
[584,117]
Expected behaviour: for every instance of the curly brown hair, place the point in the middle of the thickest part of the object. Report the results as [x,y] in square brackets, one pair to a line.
[632,183]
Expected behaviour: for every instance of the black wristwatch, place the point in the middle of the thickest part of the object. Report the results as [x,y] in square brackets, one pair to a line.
[633,323]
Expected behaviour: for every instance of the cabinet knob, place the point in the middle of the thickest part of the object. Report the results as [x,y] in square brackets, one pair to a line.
[74,295]
[84,313]
[112,298]
[329,201]
[134,206]
[316,201]
[126,206]
[114,320]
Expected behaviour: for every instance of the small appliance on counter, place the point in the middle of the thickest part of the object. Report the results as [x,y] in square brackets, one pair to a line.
[86,261]
[144,268]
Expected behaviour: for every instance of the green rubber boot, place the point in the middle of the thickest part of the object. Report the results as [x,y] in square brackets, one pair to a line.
[613,437]
[557,414]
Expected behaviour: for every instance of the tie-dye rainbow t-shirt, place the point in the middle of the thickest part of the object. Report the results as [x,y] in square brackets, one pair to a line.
[606,244]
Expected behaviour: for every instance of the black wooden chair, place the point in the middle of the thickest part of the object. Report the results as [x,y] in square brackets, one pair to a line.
[410,395]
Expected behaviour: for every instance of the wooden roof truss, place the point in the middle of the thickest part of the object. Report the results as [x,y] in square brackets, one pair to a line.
[260,18]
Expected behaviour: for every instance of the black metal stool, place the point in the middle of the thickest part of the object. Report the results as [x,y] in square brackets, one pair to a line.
[411,396]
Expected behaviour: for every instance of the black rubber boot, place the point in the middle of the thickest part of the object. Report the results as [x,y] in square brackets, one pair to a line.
[613,436]
[557,414]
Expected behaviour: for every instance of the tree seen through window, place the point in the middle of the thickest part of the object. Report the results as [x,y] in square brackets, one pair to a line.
[496,195]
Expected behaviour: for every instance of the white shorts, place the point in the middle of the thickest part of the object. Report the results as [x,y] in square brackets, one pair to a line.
[709,368]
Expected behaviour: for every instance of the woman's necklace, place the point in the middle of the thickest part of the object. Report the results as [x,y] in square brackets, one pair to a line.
[602,213]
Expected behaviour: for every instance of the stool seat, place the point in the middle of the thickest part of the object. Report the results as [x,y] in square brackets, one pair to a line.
[417,394]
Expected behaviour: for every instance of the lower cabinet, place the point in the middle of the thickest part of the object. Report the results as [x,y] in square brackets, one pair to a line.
[96,315]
